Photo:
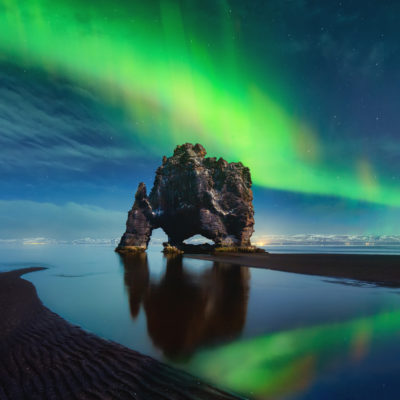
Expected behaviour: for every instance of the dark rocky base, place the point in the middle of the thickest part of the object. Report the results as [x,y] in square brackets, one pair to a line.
[44,357]
[207,248]
[130,249]
[171,250]
[240,249]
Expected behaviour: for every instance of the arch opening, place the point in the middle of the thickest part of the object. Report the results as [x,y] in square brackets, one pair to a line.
[198,240]
[157,238]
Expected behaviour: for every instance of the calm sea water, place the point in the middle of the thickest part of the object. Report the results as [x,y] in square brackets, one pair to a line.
[265,334]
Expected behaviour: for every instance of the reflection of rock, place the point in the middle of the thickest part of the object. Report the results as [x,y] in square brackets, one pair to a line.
[193,195]
[187,310]
[136,280]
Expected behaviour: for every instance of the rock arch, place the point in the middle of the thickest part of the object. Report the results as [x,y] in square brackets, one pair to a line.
[193,195]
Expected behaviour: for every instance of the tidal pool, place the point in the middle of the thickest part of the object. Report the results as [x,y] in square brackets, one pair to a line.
[263,334]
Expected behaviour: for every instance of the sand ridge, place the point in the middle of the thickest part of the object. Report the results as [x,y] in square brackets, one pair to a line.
[377,269]
[42,356]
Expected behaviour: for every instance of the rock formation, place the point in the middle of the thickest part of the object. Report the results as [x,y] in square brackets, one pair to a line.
[193,194]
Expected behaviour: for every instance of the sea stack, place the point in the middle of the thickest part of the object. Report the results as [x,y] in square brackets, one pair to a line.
[193,194]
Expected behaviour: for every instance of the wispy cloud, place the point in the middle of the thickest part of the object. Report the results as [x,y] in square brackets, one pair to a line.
[49,123]
[21,219]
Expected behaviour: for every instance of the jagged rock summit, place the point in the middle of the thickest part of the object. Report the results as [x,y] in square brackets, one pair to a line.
[193,194]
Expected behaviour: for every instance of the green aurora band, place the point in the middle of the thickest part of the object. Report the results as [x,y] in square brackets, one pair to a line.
[282,363]
[178,80]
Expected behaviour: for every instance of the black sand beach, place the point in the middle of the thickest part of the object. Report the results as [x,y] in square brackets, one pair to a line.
[382,270]
[42,356]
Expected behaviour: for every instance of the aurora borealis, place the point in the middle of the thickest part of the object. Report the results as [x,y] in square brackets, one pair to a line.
[313,115]
[283,363]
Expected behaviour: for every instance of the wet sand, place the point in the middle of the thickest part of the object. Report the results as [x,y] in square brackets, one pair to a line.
[42,356]
[382,270]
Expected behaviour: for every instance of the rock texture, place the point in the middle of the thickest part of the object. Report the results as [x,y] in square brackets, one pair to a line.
[193,194]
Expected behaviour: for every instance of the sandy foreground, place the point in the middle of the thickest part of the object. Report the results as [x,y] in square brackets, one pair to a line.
[382,270]
[42,356]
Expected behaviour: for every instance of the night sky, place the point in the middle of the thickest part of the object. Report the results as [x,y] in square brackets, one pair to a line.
[93,94]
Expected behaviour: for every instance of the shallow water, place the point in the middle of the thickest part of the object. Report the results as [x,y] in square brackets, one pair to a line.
[265,334]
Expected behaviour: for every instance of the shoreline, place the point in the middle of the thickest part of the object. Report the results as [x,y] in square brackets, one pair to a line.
[381,270]
[42,356]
